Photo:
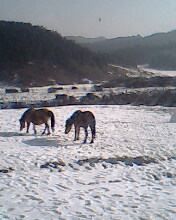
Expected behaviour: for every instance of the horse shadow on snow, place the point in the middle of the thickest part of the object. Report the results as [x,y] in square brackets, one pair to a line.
[11,134]
[49,142]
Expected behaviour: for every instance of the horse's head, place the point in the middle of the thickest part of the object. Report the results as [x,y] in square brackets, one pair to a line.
[68,126]
[22,124]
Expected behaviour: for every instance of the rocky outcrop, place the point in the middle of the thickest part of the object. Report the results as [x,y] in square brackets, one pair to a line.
[11,91]
[90,98]
[54,89]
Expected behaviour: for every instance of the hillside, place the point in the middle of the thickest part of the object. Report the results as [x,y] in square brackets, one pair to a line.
[157,50]
[111,45]
[34,56]
[83,40]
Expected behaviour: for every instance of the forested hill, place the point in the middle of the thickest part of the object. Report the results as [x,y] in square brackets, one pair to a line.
[158,50]
[32,56]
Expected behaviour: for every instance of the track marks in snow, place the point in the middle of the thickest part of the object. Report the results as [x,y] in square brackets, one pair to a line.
[93,190]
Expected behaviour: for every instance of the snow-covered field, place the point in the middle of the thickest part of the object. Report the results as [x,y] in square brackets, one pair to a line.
[118,183]
[41,93]
[171,73]
[143,70]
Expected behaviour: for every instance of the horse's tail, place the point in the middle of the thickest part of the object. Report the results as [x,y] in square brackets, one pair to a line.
[51,114]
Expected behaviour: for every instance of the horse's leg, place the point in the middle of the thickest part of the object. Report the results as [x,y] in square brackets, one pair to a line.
[78,134]
[35,131]
[77,129]
[28,124]
[47,126]
[93,133]
[75,133]
[86,134]
[44,130]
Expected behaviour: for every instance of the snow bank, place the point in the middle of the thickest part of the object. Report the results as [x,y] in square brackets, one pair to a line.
[66,189]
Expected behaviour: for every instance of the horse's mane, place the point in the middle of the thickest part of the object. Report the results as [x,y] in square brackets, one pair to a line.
[75,114]
[24,114]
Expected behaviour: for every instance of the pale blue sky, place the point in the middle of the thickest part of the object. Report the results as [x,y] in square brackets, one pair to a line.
[81,17]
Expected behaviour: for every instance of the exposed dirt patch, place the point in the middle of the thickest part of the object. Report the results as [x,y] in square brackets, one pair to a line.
[140,160]
[89,163]
[6,170]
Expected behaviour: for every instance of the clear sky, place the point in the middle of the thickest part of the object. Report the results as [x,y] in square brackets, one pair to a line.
[93,18]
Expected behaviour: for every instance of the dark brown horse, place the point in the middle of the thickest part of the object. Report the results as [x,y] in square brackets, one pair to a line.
[37,117]
[81,119]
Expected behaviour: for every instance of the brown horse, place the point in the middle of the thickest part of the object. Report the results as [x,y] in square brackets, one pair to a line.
[37,117]
[81,119]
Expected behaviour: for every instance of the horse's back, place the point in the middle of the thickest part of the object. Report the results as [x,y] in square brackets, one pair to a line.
[37,116]
[42,113]
[88,118]
[88,114]
[42,110]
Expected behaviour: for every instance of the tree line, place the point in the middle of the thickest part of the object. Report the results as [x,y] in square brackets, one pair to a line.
[22,42]
[162,57]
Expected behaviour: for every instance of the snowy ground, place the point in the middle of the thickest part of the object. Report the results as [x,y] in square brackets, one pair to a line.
[31,190]
[41,93]
[143,70]
[171,73]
